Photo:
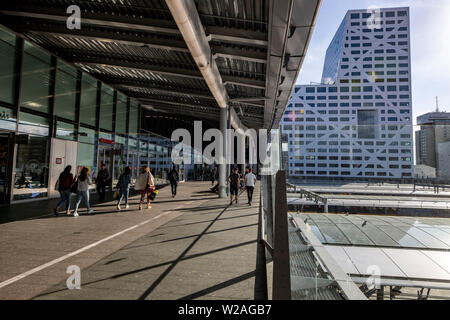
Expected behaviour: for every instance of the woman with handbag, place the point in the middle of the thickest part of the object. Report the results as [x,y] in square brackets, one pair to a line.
[63,185]
[83,183]
[124,187]
[145,183]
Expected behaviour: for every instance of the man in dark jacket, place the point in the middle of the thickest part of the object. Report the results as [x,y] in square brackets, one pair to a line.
[173,179]
[102,181]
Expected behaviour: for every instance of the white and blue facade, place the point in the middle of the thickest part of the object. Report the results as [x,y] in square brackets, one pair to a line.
[358,122]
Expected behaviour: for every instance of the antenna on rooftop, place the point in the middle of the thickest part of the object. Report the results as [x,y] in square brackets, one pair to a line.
[437,104]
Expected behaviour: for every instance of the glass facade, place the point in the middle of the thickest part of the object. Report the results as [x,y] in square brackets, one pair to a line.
[59,101]
[32,161]
[107,108]
[88,108]
[7,63]
[66,91]
[36,79]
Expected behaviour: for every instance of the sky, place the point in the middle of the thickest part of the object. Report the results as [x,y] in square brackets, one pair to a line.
[430,47]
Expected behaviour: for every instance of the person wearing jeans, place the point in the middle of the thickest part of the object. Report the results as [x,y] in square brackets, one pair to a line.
[83,191]
[64,185]
[124,187]
[250,180]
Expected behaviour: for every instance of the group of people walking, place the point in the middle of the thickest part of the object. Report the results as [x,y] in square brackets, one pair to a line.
[239,182]
[68,184]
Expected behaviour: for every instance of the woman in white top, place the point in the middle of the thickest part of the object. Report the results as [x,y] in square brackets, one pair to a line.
[83,181]
[145,183]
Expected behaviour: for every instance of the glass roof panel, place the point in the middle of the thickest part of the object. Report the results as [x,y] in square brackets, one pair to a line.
[402,237]
[355,235]
[425,238]
[332,233]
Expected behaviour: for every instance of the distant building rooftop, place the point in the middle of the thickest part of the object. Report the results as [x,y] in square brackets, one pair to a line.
[432,117]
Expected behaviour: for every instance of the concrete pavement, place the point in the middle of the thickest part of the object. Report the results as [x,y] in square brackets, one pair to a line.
[194,246]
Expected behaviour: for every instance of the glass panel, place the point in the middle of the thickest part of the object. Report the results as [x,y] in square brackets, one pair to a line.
[7,119]
[66,131]
[87,135]
[353,233]
[134,118]
[35,91]
[121,114]
[86,157]
[7,59]
[31,173]
[107,108]
[31,124]
[66,91]
[332,234]
[88,107]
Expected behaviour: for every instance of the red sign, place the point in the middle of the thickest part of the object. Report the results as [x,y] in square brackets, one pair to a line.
[107,141]
[58,160]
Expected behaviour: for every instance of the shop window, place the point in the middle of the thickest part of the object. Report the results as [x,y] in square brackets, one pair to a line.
[32,161]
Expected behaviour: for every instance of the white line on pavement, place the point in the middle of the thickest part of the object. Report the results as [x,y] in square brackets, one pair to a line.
[48,264]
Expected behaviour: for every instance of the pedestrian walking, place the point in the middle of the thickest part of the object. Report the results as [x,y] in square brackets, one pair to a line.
[250,180]
[102,181]
[63,185]
[173,179]
[234,180]
[83,182]
[213,175]
[124,187]
[145,183]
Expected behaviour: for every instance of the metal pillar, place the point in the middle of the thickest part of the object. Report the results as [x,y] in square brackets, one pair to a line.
[223,165]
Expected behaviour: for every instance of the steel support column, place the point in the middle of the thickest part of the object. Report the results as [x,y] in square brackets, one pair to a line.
[223,165]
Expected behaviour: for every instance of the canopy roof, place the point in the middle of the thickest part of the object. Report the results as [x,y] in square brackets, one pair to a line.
[136,46]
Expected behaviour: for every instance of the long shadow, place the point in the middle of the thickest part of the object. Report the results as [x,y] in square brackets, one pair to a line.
[205,221]
[201,208]
[204,233]
[180,257]
[219,286]
[117,276]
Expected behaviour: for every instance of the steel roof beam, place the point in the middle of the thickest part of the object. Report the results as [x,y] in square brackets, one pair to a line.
[105,36]
[234,35]
[176,72]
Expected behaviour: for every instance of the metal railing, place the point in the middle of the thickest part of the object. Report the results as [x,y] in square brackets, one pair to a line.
[302,267]
[309,195]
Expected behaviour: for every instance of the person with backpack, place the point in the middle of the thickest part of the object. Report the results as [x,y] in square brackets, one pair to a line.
[173,179]
[83,183]
[124,187]
[63,185]
[234,180]
[145,183]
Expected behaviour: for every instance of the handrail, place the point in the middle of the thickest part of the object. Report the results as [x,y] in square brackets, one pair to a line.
[309,195]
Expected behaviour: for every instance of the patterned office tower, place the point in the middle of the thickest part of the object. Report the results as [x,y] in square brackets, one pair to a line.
[358,122]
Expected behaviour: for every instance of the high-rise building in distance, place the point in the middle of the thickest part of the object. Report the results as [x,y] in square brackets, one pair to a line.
[358,122]
[433,142]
